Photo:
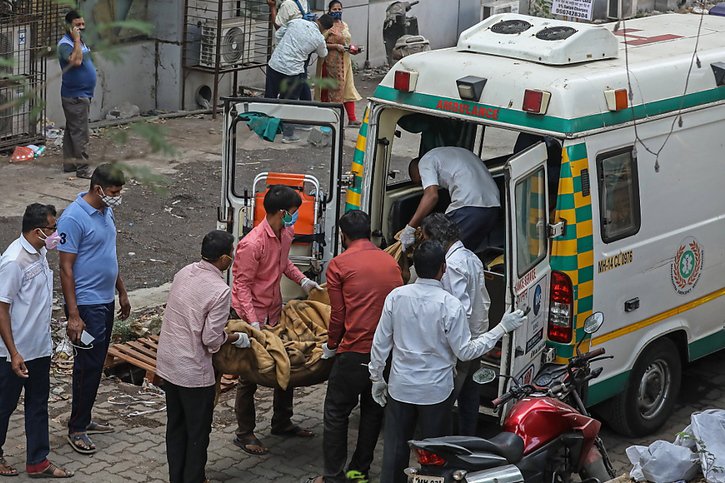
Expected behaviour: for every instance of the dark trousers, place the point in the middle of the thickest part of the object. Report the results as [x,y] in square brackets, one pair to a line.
[474,224]
[75,135]
[349,383]
[467,394]
[189,412]
[37,388]
[246,413]
[285,87]
[88,364]
[434,420]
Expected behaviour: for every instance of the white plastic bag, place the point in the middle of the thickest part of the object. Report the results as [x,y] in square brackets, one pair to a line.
[662,462]
[708,430]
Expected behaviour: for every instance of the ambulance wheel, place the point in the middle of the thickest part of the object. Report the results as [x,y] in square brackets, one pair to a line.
[651,392]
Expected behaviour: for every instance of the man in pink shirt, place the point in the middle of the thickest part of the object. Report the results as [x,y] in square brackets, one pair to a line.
[262,257]
[196,313]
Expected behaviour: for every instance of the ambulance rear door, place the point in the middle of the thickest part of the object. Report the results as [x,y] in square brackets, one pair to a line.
[250,164]
[527,262]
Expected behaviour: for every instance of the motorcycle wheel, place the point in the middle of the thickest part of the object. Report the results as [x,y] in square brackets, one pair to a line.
[651,392]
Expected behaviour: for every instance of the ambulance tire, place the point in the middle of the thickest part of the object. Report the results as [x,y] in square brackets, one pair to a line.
[651,393]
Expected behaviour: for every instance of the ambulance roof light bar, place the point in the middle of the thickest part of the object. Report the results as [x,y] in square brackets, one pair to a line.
[405,81]
[471,87]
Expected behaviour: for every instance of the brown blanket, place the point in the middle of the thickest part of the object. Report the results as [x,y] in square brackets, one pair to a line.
[289,354]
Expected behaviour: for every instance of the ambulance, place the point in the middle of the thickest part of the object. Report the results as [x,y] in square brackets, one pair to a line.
[607,144]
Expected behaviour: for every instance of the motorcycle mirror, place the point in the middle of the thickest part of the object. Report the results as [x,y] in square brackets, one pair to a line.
[484,375]
[593,323]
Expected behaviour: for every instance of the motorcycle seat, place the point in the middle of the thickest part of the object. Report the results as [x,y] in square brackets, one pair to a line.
[508,445]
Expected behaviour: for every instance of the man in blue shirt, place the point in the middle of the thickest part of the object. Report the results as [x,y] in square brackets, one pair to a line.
[89,278]
[76,92]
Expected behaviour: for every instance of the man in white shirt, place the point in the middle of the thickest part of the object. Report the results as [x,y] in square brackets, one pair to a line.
[426,330]
[475,199]
[464,280]
[286,75]
[290,10]
[26,299]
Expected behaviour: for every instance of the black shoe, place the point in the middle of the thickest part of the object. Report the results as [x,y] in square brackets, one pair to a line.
[69,168]
[84,171]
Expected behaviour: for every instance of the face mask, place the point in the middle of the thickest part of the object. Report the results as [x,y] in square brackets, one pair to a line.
[290,220]
[52,241]
[111,201]
[336,15]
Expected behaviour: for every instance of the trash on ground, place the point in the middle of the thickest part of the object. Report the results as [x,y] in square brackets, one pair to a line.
[125,111]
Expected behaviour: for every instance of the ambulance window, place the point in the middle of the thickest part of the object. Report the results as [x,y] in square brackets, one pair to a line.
[619,195]
[405,146]
[531,241]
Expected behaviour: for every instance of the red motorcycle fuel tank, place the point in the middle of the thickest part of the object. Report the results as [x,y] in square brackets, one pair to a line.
[538,420]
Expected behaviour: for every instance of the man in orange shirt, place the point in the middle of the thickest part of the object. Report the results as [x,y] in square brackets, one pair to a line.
[358,280]
[261,258]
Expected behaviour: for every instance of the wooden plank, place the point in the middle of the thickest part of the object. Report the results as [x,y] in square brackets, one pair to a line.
[149,342]
[135,362]
[131,352]
[142,349]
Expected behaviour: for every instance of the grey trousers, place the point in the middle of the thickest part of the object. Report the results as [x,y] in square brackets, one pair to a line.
[75,136]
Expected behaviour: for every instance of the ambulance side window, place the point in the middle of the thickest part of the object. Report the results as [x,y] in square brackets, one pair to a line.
[531,240]
[405,146]
[618,195]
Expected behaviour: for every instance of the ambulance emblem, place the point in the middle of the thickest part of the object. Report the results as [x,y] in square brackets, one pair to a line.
[687,266]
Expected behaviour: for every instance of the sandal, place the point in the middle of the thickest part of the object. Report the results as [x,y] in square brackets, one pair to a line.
[81,443]
[315,479]
[99,428]
[244,442]
[6,469]
[52,471]
[294,430]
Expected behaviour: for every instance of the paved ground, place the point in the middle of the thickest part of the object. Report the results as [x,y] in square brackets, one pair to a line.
[135,453]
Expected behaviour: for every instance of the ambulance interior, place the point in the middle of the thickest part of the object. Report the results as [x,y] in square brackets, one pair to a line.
[402,136]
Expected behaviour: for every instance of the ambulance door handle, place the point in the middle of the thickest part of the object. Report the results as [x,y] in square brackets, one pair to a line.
[631,304]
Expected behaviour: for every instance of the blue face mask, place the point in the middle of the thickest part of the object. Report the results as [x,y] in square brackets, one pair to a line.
[290,220]
[336,15]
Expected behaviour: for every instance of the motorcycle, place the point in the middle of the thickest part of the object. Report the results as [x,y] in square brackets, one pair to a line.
[400,32]
[548,434]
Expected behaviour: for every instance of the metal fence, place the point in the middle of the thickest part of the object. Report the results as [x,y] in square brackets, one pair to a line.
[27,33]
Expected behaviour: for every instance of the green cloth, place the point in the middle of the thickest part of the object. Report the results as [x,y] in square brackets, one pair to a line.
[265,126]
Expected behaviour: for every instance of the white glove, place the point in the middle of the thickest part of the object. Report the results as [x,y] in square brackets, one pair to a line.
[513,320]
[380,392]
[307,285]
[256,325]
[328,353]
[407,237]
[242,342]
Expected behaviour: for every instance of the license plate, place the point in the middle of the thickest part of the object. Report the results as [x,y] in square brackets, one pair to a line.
[428,479]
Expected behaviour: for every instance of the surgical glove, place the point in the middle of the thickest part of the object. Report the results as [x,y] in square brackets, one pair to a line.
[242,342]
[513,320]
[307,285]
[256,325]
[407,237]
[380,392]
[328,353]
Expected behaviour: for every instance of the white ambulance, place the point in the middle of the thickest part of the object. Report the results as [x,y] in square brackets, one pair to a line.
[607,143]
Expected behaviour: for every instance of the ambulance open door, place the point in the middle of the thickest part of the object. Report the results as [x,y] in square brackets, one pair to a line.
[251,164]
[527,262]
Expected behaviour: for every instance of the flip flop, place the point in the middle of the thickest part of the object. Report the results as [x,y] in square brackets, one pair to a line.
[315,479]
[99,428]
[294,431]
[50,472]
[9,470]
[250,440]
[81,443]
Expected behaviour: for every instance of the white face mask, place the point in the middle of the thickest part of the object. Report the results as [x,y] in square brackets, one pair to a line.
[111,201]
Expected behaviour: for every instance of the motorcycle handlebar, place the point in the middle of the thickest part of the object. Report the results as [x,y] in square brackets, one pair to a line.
[587,356]
[504,398]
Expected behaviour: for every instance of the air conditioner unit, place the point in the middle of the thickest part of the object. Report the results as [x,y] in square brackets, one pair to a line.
[243,41]
[15,46]
[621,9]
[14,111]
[493,7]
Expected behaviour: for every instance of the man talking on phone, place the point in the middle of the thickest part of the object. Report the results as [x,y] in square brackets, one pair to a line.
[76,92]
